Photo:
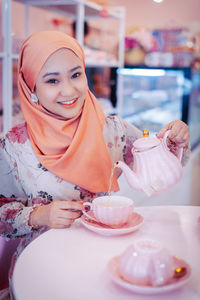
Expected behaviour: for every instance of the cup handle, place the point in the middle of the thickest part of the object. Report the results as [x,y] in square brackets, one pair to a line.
[85,213]
[180,150]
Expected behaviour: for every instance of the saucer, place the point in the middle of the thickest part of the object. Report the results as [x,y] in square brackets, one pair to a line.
[135,222]
[173,284]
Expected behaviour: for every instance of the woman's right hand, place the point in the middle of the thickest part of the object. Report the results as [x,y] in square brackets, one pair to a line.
[58,214]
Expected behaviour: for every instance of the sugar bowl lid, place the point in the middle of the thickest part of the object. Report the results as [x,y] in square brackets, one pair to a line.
[146,142]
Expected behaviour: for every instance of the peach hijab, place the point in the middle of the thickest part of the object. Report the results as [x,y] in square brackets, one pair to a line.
[72,149]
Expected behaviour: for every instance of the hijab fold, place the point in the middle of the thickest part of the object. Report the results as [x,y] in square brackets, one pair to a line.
[73,149]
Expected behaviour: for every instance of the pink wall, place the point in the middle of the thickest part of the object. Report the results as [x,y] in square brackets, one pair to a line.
[169,13]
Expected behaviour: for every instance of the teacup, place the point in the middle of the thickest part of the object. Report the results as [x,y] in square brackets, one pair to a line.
[110,210]
[146,262]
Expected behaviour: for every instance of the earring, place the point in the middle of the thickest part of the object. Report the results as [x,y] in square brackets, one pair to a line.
[34,98]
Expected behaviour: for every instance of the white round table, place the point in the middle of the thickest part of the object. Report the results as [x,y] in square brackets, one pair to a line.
[72,263]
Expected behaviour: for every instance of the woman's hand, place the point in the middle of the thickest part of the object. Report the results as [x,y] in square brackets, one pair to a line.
[179,133]
[58,214]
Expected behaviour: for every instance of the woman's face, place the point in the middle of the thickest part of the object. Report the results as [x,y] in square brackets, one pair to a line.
[61,85]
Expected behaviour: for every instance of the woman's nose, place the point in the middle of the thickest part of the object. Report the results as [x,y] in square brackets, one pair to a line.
[67,89]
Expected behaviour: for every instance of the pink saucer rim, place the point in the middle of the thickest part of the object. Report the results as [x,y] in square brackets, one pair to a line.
[113,267]
[125,227]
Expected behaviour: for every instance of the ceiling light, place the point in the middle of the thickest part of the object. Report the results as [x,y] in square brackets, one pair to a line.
[158,1]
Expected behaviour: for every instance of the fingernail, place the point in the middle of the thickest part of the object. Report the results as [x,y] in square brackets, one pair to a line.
[86,208]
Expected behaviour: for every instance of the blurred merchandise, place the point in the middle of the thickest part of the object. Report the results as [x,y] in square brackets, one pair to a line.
[134,56]
[174,48]
[138,42]
[169,59]
[157,59]
[196,64]
[161,47]
[196,61]
[92,56]
[169,38]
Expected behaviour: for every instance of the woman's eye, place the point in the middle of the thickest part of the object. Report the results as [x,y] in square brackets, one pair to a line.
[75,75]
[52,81]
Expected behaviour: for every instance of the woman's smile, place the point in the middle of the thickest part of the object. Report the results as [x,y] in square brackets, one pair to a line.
[68,102]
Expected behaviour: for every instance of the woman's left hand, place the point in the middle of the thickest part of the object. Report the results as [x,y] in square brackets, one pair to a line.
[179,133]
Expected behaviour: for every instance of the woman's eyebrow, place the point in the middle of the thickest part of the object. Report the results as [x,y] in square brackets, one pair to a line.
[50,74]
[57,73]
[74,69]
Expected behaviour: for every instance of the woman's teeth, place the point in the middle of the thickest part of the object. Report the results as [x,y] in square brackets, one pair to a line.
[68,102]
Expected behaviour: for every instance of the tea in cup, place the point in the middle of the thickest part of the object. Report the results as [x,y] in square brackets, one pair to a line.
[146,263]
[110,210]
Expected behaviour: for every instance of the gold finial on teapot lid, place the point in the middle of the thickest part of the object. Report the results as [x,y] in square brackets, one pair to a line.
[145,132]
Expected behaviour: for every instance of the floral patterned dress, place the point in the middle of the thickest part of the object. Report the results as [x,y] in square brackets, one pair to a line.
[25,183]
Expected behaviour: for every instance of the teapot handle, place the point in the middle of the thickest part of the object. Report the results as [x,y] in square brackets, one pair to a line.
[180,150]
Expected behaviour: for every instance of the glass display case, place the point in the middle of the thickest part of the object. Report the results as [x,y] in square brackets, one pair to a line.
[152,97]
[194,110]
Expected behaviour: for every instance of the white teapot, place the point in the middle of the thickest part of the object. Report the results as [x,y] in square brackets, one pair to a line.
[155,168]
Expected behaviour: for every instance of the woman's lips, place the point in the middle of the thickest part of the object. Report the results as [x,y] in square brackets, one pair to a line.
[68,103]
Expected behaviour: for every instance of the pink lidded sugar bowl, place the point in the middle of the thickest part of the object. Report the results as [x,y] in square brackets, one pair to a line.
[146,262]
[146,267]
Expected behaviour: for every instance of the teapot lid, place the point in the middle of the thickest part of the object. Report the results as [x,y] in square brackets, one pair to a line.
[146,142]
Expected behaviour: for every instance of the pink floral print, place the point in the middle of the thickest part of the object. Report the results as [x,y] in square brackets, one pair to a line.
[18,134]
[9,214]
[128,156]
[84,194]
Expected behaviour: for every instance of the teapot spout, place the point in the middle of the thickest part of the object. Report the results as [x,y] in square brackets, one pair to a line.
[130,175]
